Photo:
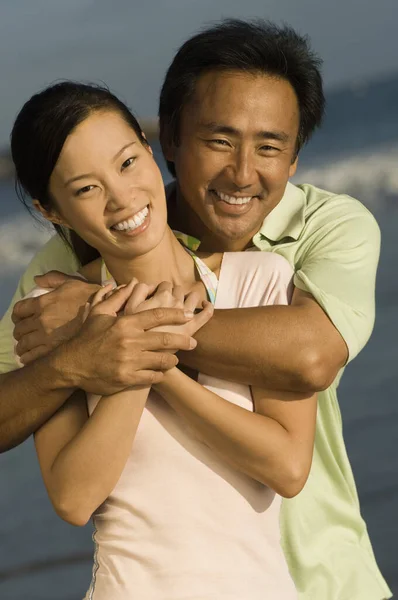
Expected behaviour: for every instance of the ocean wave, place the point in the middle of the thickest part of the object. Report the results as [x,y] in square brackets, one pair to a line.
[369,176]
[372,177]
[20,238]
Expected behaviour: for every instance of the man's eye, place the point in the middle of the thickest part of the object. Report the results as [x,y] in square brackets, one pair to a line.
[218,142]
[269,148]
[85,189]
[128,162]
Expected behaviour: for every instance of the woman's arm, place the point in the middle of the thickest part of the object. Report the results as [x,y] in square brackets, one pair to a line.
[81,458]
[273,444]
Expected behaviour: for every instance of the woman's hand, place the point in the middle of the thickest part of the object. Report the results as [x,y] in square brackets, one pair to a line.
[145,297]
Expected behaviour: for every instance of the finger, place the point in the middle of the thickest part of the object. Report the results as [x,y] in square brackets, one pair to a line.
[192,301]
[23,309]
[147,378]
[24,327]
[28,342]
[178,293]
[201,318]
[101,294]
[30,356]
[116,301]
[157,361]
[53,279]
[165,286]
[139,294]
[148,319]
[162,340]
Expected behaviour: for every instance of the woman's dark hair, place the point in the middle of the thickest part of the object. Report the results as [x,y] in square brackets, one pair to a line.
[39,133]
[256,46]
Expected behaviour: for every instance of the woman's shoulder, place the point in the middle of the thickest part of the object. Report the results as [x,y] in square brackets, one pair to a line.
[254,279]
[255,260]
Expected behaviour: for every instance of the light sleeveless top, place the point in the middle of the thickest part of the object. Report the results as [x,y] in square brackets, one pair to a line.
[181,524]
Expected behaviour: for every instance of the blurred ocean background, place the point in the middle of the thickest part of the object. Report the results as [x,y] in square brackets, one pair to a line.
[356,152]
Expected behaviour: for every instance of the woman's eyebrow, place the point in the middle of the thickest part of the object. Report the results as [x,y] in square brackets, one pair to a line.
[114,159]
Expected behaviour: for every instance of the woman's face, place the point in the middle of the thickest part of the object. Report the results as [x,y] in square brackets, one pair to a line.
[108,188]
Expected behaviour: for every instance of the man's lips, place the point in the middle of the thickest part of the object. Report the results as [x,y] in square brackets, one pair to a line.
[232,204]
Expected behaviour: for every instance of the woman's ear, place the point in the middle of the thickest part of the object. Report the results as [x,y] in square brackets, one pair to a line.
[146,143]
[48,215]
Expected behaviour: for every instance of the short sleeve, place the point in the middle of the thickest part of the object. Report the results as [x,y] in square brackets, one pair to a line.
[338,267]
[53,255]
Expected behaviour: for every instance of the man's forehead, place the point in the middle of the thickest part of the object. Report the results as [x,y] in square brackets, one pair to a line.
[229,101]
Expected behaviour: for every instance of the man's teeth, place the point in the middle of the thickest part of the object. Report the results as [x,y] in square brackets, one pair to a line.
[135,221]
[232,199]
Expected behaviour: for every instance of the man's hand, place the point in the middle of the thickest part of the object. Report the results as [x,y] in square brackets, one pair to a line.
[43,323]
[113,352]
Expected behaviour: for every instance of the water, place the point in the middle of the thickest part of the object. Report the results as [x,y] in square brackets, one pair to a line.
[357,152]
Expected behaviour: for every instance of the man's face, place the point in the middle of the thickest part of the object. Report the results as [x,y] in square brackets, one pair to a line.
[236,152]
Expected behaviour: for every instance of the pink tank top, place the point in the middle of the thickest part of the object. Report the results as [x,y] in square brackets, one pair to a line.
[181,524]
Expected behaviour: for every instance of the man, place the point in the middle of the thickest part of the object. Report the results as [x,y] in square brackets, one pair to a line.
[237,104]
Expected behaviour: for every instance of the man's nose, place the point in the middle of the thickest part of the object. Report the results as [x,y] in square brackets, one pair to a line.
[242,169]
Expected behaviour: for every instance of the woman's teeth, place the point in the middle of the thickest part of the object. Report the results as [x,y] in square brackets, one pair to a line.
[134,222]
[232,199]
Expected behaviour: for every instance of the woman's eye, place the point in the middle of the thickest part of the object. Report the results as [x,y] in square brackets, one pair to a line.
[128,162]
[85,189]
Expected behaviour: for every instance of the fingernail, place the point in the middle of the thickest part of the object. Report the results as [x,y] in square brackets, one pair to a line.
[188,314]
[192,343]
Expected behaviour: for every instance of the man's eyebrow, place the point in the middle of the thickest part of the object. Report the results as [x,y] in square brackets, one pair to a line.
[213,127]
[84,175]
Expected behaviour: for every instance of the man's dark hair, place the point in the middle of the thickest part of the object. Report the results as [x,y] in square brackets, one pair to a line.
[38,136]
[256,46]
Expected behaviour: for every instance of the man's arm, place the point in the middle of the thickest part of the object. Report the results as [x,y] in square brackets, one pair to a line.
[31,395]
[301,347]
[293,347]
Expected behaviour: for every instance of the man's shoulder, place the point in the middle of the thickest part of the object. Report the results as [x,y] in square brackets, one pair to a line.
[325,209]
[54,255]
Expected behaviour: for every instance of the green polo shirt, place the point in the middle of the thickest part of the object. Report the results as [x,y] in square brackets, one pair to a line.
[333,242]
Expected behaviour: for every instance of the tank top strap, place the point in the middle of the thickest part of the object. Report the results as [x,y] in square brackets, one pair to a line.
[208,277]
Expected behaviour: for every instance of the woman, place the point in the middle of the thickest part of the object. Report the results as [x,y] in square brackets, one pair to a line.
[185,479]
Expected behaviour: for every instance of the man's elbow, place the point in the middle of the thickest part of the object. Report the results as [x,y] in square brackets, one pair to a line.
[317,371]
[10,439]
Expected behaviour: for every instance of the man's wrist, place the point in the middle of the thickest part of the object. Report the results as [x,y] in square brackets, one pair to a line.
[63,366]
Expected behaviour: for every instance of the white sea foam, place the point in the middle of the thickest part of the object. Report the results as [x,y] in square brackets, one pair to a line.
[369,176]
[20,238]
[372,177]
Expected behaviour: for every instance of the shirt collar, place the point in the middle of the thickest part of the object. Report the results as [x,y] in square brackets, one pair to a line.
[287,219]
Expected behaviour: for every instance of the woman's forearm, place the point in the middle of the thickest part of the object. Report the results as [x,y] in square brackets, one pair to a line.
[87,469]
[252,443]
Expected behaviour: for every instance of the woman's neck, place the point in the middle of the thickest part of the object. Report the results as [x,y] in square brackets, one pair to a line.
[167,262]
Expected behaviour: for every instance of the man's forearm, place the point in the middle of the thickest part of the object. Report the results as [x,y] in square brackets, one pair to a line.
[29,396]
[279,347]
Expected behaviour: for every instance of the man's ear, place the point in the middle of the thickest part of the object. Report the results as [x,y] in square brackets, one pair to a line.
[48,215]
[166,142]
[293,167]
